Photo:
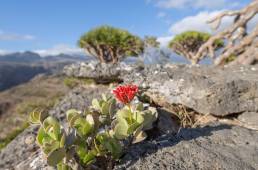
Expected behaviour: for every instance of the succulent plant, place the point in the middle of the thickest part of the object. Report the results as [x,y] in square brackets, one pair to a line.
[134,122]
[50,137]
[98,132]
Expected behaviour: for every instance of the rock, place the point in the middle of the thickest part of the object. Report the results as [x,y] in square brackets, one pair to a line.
[205,89]
[249,119]
[29,139]
[215,146]
[100,72]
[166,123]
[23,154]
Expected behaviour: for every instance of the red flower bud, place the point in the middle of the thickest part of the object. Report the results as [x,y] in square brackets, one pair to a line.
[126,93]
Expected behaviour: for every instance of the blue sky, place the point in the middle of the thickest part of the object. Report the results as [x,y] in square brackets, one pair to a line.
[55,25]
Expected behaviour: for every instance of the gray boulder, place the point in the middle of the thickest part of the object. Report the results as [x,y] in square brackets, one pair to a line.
[205,89]
[100,72]
[215,146]
[249,119]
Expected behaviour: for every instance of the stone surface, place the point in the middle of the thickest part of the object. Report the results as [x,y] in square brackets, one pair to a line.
[218,91]
[217,146]
[100,72]
[249,119]
[167,124]
[21,154]
[207,90]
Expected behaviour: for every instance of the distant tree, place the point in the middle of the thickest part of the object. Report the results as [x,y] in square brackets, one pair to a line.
[151,41]
[152,53]
[110,44]
[188,43]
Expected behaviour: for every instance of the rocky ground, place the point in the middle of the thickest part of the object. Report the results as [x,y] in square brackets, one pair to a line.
[217,109]
[42,92]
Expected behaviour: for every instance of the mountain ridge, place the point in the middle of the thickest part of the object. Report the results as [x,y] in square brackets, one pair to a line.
[33,57]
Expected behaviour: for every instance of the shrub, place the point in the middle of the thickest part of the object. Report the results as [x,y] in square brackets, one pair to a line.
[102,132]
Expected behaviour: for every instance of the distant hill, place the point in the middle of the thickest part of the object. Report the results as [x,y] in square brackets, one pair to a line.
[14,74]
[20,67]
[31,57]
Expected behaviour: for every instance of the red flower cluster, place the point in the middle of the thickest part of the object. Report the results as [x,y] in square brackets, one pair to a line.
[126,93]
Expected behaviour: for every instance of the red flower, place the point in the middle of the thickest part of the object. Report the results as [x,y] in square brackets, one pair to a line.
[126,93]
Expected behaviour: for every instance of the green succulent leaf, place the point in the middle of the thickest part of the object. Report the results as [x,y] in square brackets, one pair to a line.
[37,117]
[139,107]
[123,114]
[112,106]
[138,117]
[90,119]
[133,127]
[111,144]
[40,136]
[49,147]
[149,116]
[52,128]
[121,129]
[56,156]
[81,151]
[62,166]
[83,126]
[89,158]
[96,104]
[105,108]
[104,97]
[71,113]
[62,140]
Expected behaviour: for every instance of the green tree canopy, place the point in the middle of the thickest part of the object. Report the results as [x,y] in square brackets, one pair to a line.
[188,43]
[151,41]
[110,44]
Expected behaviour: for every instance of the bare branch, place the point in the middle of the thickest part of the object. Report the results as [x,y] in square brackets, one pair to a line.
[236,37]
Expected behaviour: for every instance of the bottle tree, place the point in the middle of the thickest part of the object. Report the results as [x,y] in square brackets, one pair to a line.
[188,43]
[109,44]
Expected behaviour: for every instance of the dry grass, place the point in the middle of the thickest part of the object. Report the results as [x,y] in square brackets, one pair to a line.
[43,92]
[72,82]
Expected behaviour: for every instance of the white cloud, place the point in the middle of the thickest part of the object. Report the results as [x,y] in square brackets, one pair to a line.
[197,4]
[198,23]
[4,36]
[161,15]
[3,52]
[164,40]
[59,49]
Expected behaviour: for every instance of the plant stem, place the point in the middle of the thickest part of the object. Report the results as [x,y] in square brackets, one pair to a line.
[130,116]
